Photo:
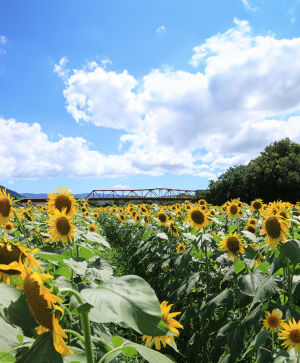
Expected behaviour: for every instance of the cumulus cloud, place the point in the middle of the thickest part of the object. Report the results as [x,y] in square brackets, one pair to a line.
[248,6]
[119,186]
[161,30]
[61,70]
[220,117]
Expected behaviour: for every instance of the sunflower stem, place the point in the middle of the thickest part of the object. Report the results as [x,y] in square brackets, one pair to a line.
[85,326]
[19,347]
[75,333]
[207,269]
[273,339]
[40,237]
[20,223]
[110,352]
[289,280]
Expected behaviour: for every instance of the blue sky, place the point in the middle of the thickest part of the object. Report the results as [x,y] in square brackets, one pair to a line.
[143,94]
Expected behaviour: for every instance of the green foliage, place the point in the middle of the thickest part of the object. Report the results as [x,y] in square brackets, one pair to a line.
[274,175]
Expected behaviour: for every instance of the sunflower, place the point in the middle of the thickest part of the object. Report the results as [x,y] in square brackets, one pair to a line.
[143,209]
[240,213]
[233,209]
[83,209]
[251,229]
[44,209]
[165,268]
[27,216]
[275,228]
[174,229]
[96,215]
[291,332]
[170,217]
[180,248]
[121,217]
[197,218]
[224,208]
[6,210]
[259,258]
[92,228]
[172,324]
[62,199]
[86,204]
[202,202]
[233,243]
[8,227]
[12,258]
[40,301]
[174,207]
[146,219]
[137,218]
[188,207]
[257,205]
[273,321]
[163,218]
[211,213]
[252,222]
[86,214]
[61,226]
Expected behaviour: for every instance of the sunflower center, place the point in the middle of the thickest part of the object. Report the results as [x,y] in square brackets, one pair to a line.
[233,209]
[252,221]
[92,229]
[37,304]
[61,202]
[9,256]
[273,321]
[273,227]
[162,217]
[63,226]
[8,226]
[295,335]
[251,229]
[83,209]
[257,205]
[197,217]
[233,244]
[173,228]
[4,207]
[283,214]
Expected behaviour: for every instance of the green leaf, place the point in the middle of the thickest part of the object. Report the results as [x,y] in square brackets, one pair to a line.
[187,286]
[261,337]
[8,336]
[251,319]
[264,267]
[224,297]
[7,358]
[129,299]
[129,351]
[239,266]
[268,287]
[248,284]
[162,235]
[100,269]
[95,237]
[42,351]
[250,235]
[235,342]
[86,253]
[86,307]
[78,357]
[14,308]
[64,271]
[78,264]
[232,228]
[291,250]
[146,234]
[217,239]
[20,338]
[63,283]
[279,353]
[50,256]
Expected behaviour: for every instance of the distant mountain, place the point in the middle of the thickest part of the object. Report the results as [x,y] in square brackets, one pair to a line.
[12,193]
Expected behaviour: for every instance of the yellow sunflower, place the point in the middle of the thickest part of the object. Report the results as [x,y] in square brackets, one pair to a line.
[92,228]
[96,215]
[165,268]
[174,229]
[137,218]
[291,332]
[143,209]
[197,218]
[233,209]
[6,210]
[8,227]
[146,219]
[83,209]
[202,202]
[257,205]
[180,248]
[61,226]
[274,227]
[224,208]
[62,199]
[233,244]
[163,218]
[167,317]
[12,258]
[273,321]
[252,222]
[86,214]
[121,217]
[250,228]
[41,301]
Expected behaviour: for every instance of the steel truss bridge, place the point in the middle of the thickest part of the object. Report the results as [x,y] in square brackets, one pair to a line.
[158,194]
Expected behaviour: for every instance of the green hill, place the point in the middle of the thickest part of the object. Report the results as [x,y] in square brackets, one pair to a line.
[12,193]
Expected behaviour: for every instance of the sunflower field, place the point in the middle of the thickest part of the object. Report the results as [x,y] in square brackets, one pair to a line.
[139,283]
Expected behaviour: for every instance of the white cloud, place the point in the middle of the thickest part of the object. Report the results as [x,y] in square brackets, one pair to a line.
[248,7]
[60,69]
[105,62]
[179,122]
[119,186]
[161,30]
[11,182]
[3,41]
